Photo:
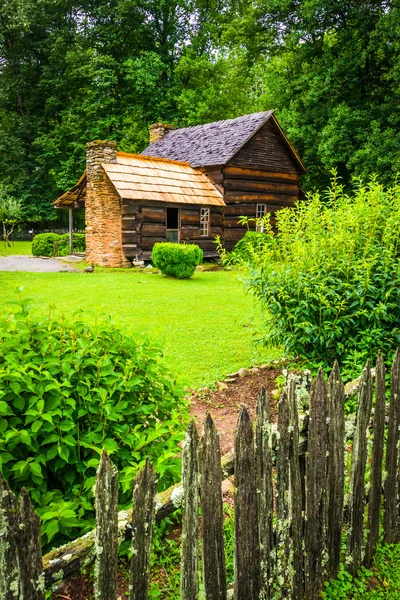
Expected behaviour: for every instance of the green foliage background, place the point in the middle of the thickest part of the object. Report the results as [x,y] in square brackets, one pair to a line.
[76,71]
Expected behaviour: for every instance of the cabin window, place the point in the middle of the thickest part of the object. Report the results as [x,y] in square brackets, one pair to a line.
[204,222]
[172,224]
[260,214]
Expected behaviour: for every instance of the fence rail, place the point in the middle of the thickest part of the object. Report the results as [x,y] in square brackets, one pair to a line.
[289,512]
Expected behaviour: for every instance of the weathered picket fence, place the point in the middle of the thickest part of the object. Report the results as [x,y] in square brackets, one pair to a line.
[290,509]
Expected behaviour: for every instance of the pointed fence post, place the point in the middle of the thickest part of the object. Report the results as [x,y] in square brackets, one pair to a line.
[282,528]
[316,465]
[358,466]
[390,528]
[190,515]
[374,503]
[9,570]
[214,574]
[335,470]
[143,515]
[247,554]
[265,493]
[106,564]
[32,585]
[296,496]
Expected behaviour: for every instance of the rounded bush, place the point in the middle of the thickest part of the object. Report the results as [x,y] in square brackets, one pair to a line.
[42,244]
[176,260]
[68,390]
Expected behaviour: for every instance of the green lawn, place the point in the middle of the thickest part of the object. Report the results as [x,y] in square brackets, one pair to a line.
[206,323]
[17,248]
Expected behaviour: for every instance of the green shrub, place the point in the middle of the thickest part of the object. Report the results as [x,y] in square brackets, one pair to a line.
[176,260]
[330,279]
[69,390]
[247,249]
[42,244]
[78,243]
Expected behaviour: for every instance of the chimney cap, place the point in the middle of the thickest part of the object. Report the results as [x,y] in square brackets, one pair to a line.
[162,126]
[105,143]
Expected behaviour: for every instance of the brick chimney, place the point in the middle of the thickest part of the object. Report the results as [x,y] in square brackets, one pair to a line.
[102,208]
[158,131]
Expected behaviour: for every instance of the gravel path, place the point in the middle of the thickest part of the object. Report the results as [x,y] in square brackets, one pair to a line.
[35,264]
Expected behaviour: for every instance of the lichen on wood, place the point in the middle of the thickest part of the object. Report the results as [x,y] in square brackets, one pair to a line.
[265,493]
[32,584]
[143,516]
[190,518]
[106,562]
[357,477]
[9,571]
[247,551]
[214,574]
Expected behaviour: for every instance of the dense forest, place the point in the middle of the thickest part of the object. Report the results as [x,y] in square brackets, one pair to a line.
[73,71]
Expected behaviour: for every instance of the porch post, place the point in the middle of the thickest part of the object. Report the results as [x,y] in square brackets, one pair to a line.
[70,230]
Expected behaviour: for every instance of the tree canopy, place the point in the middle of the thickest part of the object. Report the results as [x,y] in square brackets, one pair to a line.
[75,71]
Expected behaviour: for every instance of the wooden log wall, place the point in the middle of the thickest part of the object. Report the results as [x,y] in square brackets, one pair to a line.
[143,225]
[246,186]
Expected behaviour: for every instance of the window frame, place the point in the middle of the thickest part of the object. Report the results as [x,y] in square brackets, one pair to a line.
[205,223]
[260,226]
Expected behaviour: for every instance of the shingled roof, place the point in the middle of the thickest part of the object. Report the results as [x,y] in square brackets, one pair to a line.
[211,144]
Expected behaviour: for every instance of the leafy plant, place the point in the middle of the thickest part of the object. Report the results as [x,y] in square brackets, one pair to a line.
[247,250]
[69,390]
[10,213]
[329,280]
[43,244]
[176,260]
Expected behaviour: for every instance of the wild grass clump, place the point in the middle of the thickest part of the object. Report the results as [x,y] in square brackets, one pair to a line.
[329,280]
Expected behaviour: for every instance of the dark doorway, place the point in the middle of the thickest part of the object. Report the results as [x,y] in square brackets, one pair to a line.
[172,224]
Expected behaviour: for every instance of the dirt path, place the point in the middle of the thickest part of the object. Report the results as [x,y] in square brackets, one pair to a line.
[224,406]
[34,264]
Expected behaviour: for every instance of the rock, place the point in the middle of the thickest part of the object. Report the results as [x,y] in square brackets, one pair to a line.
[351,388]
[265,366]
[200,268]
[232,375]
[138,263]
[227,487]
[243,372]
[221,386]
[254,370]
[230,380]
[275,393]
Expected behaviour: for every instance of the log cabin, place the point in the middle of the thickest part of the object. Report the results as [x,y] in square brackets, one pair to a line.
[189,185]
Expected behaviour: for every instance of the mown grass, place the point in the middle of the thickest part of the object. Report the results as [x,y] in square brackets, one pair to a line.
[21,248]
[206,324]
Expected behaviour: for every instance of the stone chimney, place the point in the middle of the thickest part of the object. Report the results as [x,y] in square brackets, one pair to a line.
[102,208]
[158,131]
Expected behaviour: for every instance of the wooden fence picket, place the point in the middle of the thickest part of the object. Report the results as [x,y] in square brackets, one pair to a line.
[143,516]
[390,520]
[315,526]
[214,573]
[357,477]
[282,527]
[190,516]
[106,502]
[288,556]
[296,499]
[263,461]
[29,550]
[247,554]
[335,471]
[375,491]
[9,570]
